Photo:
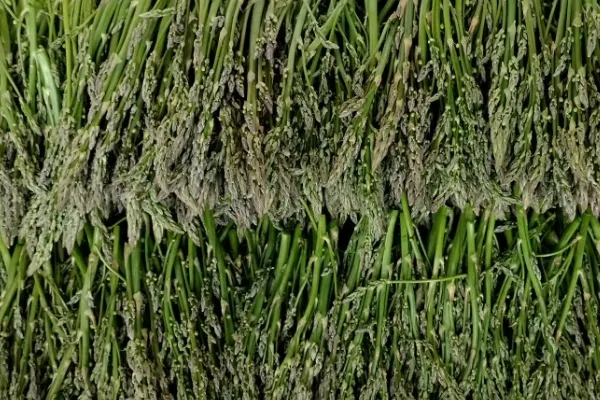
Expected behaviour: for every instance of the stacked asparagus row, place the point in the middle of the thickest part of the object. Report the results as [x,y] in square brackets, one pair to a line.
[165,108]
[467,307]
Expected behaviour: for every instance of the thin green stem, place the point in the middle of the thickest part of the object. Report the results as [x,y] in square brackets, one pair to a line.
[579,252]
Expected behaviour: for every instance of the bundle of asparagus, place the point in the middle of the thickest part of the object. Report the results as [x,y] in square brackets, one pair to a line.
[299,198]
[468,307]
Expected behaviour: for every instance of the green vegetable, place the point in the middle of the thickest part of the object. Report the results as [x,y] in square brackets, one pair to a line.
[299,199]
